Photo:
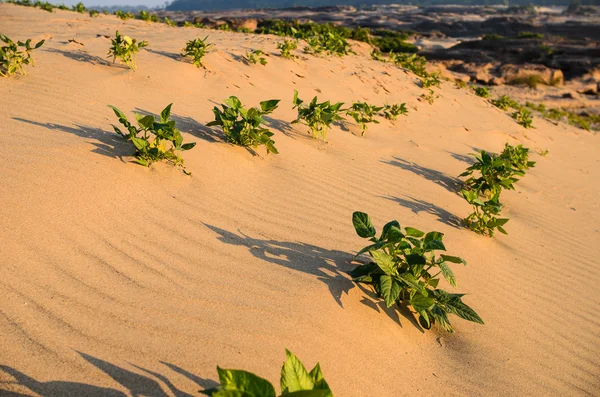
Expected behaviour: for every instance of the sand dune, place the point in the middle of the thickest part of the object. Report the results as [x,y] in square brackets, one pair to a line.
[119,280]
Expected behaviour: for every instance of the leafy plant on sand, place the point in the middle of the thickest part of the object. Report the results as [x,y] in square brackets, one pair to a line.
[12,59]
[483,220]
[317,116]
[404,270]
[363,113]
[169,21]
[79,7]
[256,56]
[124,15]
[286,47]
[94,13]
[196,49]
[483,92]
[244,126]
[295,381]
[329,42]
[523,117]
[431,80]
[391,112]
[146,16]
[154,140]
[504,102]
[429,96]
[413,62]
[125,48]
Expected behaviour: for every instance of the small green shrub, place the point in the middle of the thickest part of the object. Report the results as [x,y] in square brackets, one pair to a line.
[413,62]
[12,59]
[529,35]
[124,15]
[146,16]
[244,126]
[295,381]
[79,7]
[431,80]
[523,117]
[404,271]
[44,6]
[460,84]
[63,6]
[286,47]
[504,102]
[94,13]
[331,43]
[377,55]
[391,112]
[429,96]
[483,92]
[495,174]
[363,114]
[317,116]
[154,140]
[256,56]
[492,36]
[483,220]
[196,49]
[169,21]
[532,81]
[517,158]
[125,48]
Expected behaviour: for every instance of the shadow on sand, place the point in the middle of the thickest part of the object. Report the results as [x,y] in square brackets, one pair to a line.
[439,178]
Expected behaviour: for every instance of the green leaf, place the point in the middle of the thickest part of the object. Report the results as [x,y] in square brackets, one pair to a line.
[385,262]
[362,224]
[390,289]
[269,106]
[424,320]
[411,281]
[39,44]
[294,376]
[421,303]
[118,113]
[188,146]
[434,245]
[363,270]
[139,143]
[456,306]
[448,273]
[166,113]
[415,259]
[453,259]
[387,227]
[411,231]
[145,122]
[371,247]
[246,382]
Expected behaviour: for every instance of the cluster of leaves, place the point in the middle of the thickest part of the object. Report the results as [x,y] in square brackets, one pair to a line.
[482,191]
[430,80]
[429,96]
[94,13]
[505,102]
[483,92]
[404,271]
[413,62]
[286,47]
[146,16]
[523,117]
[125,48]
[44,5]
[12,59]
[124,15]
[154,140]
[296,381]
[363,113]
[391,112]
[243,126]
[169,22]
[317,116]
[256,56]
[196,49]
[584,121]
[79,7]
[331,43]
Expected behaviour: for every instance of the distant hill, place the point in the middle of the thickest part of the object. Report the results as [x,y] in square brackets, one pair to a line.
[214,5]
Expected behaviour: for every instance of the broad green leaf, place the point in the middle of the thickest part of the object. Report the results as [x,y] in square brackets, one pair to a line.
[246,382]
[421,303]
[411,231]
[385,262]
[188,146]
[139,143]
[424,320]
[371,247]
[453,259]
[166,113]
[362,224]
[294,376]
[394,234]
[145,122]
[363,270]
[118,113]
[269,106]
[390,289]
[431,236]
[387,227]
[448,273]
[456,306]
[434,245]
[411,281]
[416,259]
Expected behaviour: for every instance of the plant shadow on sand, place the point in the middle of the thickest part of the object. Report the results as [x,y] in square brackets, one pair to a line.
[109,143]
[172,55]
[325,264]
[137,385]
[439,178]
[417,206]
[81,56]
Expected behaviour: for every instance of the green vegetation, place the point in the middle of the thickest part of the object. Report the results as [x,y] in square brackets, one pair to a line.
[363,113]
[587,122]
[154,140]
[483,92]
[12,59]
[125,48]
[429,96]
[431,80]
[404,271]
[169,22]
[94,13]
[505,102]
[391,112]
[244,126]
[286,47]
[256,56]
[124,15]
[317,116]
[523,117]
[529,35]
[413,62]
[331,43]
[296,381]
[532,81]
[79,7]
[196,49]
[146,16]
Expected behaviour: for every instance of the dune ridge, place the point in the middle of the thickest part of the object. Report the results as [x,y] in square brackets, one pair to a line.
[120,280]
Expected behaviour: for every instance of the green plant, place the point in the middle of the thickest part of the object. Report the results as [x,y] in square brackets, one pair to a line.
[504,102]
[495,173]
[244,126]
[196,49]
[125,48]
[523,117]
[517,158]
[460,84]
[363,113]
[154,140]
[295,381]
[79,7]
[431,80]
[542,152]
[286,47]
[12,59]
[483,92]
[45,6]
[256,56]
[330,42]
[94,13]
[146,16]
[124,15]
[483,220]
[63,6]
[169,22]
[413,62]
[529,35]
[317,116]
[377,56]
[429,96]
[391,112]
[531,80]
[404,270]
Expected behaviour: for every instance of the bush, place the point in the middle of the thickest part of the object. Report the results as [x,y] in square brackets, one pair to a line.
[286,47]
[124,15]
[154,140]
[169,22]
[483,92]
[145,16]
[483,220]
[329,42]
[429,96]
[523,117]
[404,270]
[295,381]
[317,116]
[431,80]
[244,126]
[531,81]
[256,56]
[125,48]
[504,102]
[196,49]
[94,13]
[79,7]
[413,62]
[12,59]
[391,112]
[363,113]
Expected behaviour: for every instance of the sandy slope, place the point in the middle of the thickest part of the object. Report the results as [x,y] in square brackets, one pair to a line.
[119,280]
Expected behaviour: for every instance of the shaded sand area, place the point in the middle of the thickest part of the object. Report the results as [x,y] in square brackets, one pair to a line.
[119,280]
